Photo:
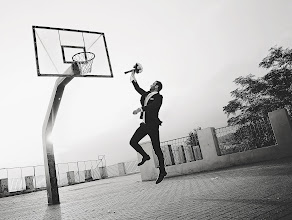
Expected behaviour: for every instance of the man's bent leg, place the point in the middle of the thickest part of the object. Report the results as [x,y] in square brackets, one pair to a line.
[140,133]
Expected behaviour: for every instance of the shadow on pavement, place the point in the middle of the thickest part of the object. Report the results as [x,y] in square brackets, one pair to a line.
[53,212]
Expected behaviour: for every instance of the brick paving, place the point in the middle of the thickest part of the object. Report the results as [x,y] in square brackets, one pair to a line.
[255,191]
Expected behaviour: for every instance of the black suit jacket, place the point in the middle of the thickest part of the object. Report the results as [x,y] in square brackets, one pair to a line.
[151,110]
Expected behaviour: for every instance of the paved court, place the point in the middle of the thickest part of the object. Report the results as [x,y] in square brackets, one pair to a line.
[258,191]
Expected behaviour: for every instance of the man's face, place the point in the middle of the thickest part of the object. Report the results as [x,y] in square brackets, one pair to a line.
[153,87]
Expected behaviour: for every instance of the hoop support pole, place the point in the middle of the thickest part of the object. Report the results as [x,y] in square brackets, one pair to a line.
[49,157]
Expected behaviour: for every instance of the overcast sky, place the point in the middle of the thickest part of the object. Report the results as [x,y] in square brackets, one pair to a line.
[195,48]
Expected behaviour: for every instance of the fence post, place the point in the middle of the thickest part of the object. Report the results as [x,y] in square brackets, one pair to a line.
[71,177]
[78,171]
[209,144]
[58,175]
[29,183]
[35,184]
[21,179]
[282,129]
[4,186]
[166,155]
[88,176]
[190,156]
[197,152]
[182,154]
[122,169]
[103,172]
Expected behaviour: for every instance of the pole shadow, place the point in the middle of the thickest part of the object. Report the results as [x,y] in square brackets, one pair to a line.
[53,212]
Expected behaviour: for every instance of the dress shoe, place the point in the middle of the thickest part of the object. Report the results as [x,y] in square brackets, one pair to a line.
[161,176]
[144,159]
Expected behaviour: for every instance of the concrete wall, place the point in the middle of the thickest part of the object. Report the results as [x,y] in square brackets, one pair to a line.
[29,183]
[4,186]
[71,177]
[88,176]
[211,158]
[148,169]
[103,172]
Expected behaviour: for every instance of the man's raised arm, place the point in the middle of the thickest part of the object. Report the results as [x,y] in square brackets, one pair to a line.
[135,84]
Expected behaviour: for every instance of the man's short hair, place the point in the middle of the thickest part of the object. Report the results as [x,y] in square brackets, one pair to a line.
[159,85]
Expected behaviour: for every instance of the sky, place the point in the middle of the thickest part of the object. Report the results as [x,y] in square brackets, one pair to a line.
[195,48]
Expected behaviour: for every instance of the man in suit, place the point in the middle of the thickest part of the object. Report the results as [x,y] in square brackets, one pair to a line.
[151,102]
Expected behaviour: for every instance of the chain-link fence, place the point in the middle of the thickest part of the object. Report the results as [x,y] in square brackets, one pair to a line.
[18,178]
[82,171]
[125,168]
[131,167]
[238,138]
[112,170]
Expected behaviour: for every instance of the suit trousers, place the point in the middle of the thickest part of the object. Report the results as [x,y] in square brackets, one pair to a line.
[153,131]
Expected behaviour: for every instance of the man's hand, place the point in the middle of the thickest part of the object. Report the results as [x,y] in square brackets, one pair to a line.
[137,111]
[133,78]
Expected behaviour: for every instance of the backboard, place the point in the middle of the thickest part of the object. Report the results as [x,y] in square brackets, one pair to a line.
[56,49]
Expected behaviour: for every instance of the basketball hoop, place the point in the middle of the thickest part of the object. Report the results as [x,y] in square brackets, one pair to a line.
[84,61]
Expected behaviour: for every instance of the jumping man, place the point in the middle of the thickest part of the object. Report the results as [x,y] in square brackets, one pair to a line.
[151,102]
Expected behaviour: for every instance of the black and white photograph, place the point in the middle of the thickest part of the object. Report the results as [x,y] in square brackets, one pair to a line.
[146,110]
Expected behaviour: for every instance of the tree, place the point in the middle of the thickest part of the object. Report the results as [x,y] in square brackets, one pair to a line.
[192,138]
[255,97]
